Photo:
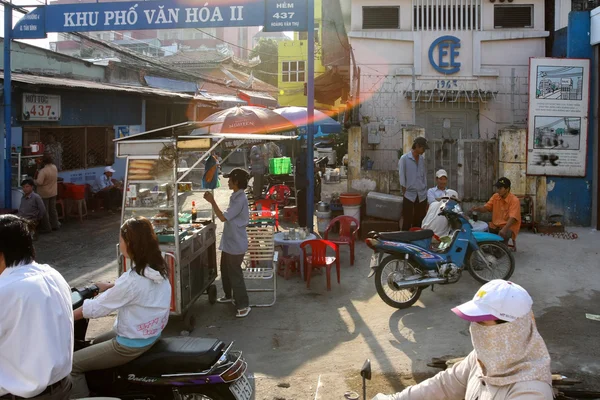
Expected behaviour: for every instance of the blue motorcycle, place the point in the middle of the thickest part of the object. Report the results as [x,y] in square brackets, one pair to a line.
[404,263]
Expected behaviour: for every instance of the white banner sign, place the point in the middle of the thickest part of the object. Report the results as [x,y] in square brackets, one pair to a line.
[40,107]
[558,116]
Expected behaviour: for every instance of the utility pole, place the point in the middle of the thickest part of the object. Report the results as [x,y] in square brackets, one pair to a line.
[7,105]
[310,111]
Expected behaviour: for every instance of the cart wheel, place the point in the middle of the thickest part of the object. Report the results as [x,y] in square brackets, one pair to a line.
[212,294]
[189,322]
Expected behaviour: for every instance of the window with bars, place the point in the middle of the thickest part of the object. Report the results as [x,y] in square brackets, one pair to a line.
[292,71]
[80,148]
[446,15]
[380,17]
[513,16]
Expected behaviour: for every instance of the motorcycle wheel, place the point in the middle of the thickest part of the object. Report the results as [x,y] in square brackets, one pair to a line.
[393,297]
[502,259]
[220,392]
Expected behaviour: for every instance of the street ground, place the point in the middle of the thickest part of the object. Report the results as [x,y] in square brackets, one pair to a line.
[312,343]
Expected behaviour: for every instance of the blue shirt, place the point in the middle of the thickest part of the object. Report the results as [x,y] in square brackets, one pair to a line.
[413,176]
[101,182]
[235,239]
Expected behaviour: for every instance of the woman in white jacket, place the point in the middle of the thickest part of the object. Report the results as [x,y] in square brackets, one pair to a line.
[510,360]
[142,299]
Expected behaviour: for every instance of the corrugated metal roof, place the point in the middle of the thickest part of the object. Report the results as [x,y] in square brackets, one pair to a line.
[261,95]
[171,84]
[223,100]
[100,86]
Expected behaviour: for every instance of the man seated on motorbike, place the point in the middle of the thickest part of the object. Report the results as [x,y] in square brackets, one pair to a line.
[439,224]
[142,299]
[509,361]
[36,324]
[506,211]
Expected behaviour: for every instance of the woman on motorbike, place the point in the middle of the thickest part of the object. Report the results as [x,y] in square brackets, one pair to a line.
[142,299]
[509,361]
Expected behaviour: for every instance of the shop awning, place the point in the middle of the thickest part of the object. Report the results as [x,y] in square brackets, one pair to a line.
[259,99]
[47,81]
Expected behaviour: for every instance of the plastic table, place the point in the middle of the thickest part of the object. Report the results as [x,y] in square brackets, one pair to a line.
[285,244]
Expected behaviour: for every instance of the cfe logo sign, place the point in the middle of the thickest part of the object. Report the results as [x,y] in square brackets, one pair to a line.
[443,53]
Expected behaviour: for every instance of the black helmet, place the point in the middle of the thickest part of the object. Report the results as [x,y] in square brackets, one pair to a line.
[450,207]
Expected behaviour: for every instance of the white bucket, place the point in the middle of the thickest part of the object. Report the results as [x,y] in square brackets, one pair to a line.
[323,219]
[352,211]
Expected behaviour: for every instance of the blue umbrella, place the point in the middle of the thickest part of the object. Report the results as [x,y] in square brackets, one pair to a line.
[299,117]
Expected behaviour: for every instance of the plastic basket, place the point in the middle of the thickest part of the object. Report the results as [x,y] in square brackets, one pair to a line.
[280,166]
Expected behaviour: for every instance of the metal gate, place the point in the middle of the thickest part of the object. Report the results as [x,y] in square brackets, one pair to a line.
[471,164]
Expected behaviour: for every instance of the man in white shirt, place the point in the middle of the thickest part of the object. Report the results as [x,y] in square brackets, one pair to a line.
[438,223]
[36,320]
[441,190]
[105,189]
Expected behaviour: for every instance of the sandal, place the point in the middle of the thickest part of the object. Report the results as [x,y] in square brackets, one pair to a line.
[224,299]
[243,312]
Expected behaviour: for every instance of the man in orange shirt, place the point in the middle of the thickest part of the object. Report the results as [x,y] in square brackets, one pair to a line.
[506,211]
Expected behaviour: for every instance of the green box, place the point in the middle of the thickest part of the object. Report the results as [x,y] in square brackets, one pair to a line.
[280,166]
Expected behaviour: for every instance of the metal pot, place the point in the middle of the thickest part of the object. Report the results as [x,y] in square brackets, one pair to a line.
[322,206]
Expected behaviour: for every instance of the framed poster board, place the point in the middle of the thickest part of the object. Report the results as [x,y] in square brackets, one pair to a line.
[558,116]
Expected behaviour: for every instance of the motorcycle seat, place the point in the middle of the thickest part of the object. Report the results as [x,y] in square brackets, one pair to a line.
[405,237]
[178,354]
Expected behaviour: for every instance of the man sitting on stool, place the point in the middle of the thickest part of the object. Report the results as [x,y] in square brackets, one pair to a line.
[105,189]
[506,211]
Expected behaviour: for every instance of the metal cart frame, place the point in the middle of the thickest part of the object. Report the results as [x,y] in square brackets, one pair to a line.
[184,256]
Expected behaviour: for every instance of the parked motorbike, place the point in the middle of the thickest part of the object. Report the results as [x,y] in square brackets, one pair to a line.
[177,368]
[404,263]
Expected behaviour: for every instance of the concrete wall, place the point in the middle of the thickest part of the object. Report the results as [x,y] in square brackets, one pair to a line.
[382,181]
[387,59]
[513,164]
[31,59]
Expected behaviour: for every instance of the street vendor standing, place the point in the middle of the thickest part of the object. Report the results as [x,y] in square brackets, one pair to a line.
[234,242]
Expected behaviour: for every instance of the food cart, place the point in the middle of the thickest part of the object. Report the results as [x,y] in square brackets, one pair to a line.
[164,171]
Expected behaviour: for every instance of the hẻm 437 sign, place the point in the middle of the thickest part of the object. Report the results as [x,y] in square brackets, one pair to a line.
[274,15]
[40,107]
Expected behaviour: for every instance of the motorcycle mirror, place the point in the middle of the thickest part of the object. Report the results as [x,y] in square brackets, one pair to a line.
[365,371]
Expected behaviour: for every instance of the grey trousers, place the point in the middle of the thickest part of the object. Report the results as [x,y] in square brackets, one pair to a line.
[104,353]
[50,220]
[233,279]
[258,184]
[60,392]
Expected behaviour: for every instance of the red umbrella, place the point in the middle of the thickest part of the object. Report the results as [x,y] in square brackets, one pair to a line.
[249,119]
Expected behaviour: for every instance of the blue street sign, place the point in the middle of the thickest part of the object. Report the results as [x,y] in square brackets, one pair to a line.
[282,15]
[277,15]
[447,52]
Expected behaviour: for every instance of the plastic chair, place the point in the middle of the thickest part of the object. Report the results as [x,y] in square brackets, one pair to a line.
[319,259]
[280,194]
[346,235]
[267,208]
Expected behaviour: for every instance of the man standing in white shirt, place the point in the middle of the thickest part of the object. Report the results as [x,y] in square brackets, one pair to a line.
[441,190]
[36,320]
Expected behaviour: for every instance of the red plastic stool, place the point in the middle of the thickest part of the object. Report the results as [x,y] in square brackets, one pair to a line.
[290,213]
[287,265]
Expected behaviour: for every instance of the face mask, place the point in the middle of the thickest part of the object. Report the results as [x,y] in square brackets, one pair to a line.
[511,352]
